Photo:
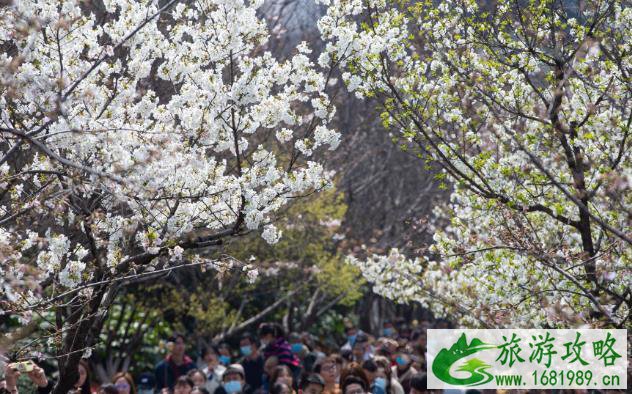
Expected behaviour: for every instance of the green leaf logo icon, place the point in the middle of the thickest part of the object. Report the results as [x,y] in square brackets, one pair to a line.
[477,368]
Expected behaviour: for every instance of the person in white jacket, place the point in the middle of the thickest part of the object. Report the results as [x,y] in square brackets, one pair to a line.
[213,370]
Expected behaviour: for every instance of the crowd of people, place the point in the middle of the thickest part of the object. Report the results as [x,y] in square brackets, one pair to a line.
[272,362]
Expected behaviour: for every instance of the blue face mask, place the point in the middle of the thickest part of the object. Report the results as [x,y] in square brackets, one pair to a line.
[401,361]
[380,383]
[224,360]
[233,386]
[246,350]
[388,332]
[297,347]
[352,339]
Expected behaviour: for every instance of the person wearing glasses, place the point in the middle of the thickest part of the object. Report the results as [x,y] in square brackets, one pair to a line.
[124,383]
[327,368]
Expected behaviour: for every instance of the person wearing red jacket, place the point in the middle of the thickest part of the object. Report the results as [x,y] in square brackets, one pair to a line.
[176,364]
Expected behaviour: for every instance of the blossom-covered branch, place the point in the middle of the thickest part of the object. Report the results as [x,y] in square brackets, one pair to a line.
[134,134]
[526,108]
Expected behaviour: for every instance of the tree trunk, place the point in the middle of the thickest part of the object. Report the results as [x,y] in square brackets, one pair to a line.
[84,334]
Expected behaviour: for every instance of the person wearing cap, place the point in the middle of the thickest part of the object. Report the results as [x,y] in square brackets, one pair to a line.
[240,368]
[233,381]
[311,383]
[146,383]
[176,364]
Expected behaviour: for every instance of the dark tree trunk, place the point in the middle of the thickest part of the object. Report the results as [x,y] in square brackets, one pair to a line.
[84,333]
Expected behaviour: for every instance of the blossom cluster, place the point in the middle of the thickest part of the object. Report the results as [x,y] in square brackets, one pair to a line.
[130,129]
[532,130]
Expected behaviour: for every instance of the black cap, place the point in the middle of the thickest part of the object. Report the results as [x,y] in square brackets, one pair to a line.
[362,337]
[312,378]
[146,380]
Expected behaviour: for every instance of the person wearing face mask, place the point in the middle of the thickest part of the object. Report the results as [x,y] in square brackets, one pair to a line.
[352,333]
[267,334]
[388,330]
[252,361]
[297,346]
[224,354]
[384,370]
[213,370]
[233,382]
[377,382]
[379,386]
[403,370]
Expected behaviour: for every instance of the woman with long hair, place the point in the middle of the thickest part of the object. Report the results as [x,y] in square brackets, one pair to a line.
[282,375]
[84,383]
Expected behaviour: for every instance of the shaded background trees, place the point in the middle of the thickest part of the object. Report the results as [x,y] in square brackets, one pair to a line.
[390,191]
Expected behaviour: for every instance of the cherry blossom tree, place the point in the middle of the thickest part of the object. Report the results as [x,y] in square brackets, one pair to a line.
[526,106]
[135,134]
